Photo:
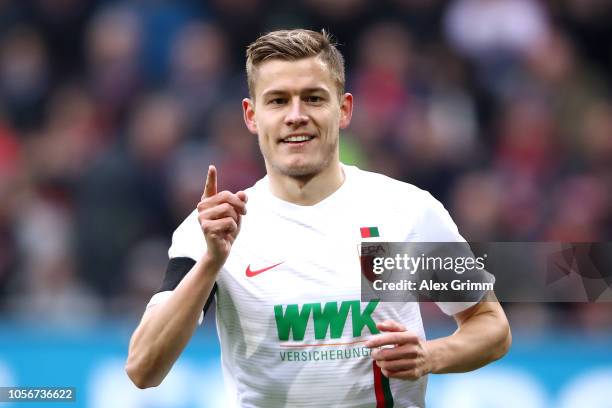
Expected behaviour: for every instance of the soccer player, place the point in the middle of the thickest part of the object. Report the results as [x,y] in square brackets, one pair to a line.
[280,258]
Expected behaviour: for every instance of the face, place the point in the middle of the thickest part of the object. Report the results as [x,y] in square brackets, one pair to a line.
[297,115]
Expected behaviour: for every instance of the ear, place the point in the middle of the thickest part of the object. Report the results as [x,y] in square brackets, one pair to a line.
[346,110]
[248,112]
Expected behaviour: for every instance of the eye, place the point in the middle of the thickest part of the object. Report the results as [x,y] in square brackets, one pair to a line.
[277,101]
[313,99]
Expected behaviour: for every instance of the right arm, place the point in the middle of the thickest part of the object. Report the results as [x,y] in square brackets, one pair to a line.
[166,328]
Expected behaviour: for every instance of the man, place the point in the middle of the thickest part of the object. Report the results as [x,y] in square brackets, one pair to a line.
[286,277]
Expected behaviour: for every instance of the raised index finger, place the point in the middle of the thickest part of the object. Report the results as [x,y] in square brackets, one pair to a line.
[210,188]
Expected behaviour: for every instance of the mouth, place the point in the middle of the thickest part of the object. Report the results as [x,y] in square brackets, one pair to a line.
[297,139]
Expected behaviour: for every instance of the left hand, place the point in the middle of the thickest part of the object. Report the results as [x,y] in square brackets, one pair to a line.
[409,359]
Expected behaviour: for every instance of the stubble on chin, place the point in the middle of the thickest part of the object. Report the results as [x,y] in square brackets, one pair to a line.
[302,171]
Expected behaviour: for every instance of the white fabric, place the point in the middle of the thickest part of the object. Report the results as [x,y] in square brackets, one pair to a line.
[317,246]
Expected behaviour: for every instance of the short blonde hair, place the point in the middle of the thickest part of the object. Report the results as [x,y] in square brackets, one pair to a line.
[292,45]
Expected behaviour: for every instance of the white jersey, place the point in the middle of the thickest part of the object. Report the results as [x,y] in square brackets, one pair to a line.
[290,321]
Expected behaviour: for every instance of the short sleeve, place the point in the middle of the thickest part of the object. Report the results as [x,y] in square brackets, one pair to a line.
[436,225]
[188,245]
[188,239]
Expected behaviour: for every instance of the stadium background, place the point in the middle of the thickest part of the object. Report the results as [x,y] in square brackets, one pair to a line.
[110,113]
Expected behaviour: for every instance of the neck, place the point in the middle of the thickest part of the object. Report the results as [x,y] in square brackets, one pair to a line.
[307,190]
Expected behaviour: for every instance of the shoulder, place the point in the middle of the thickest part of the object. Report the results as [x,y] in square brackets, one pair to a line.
[384,189]
[188,240]
[257,191]
[415,208]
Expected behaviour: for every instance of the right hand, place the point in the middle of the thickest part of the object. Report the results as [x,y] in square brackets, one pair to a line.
[220,216]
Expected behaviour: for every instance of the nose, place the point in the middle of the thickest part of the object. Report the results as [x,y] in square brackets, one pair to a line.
[296,116]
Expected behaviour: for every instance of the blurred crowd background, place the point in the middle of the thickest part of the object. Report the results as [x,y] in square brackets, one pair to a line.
[111,112]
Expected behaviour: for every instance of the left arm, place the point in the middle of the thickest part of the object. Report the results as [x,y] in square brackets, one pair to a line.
[483,335]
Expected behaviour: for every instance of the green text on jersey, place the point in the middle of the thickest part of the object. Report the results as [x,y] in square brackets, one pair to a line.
[329,319]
